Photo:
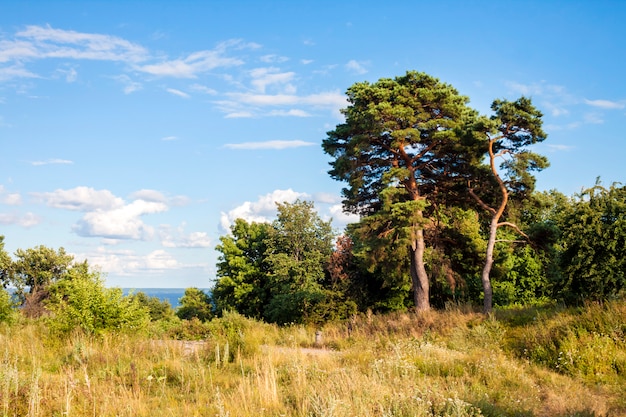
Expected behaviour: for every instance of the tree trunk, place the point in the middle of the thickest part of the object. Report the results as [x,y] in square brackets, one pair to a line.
[418,273]
[491,243]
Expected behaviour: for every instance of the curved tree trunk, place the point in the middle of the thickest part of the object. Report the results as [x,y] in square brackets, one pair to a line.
[491,243]
[418,273]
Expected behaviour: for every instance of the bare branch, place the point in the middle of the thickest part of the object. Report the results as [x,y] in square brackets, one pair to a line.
[514,227]
[480,201]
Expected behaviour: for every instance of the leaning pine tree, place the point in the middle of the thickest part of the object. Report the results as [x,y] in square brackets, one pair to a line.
[397,136]
[507,134]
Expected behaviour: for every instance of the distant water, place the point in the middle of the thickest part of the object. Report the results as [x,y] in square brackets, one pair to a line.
[166,294]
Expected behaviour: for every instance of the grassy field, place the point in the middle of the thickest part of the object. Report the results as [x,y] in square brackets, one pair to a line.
[526,362]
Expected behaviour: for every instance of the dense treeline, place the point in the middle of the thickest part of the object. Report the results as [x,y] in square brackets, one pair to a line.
[448,214]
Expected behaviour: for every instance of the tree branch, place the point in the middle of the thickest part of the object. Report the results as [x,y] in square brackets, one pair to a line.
[514,227]
[480,201]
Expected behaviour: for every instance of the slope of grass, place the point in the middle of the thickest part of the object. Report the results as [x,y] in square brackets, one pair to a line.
[450,363]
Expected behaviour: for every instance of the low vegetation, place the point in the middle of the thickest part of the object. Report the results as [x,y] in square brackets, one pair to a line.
[529,362]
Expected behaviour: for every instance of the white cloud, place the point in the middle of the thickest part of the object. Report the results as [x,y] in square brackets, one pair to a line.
[25,220]
[271,144]
[356,67]
[9,199]
[80,199]
[606,104]
[37,42]
[120,223]
[292,112]
[248,104]
[306,61]
[262,210]
[169,138]
[341,218]
[124,262]
[130,86]
[593,118]
[177,92]
[179,239]
[149,195]
[52,162]
[273,58]
[264,77]
[197,62]
[559,147]
[203,89]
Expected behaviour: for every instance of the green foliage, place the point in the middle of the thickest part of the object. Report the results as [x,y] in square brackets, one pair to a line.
[242,269]
[79,300]
[157,308]
[594,245]
[5,265]
[278,271]
[32,273]
[7,307]
[589,342]
[195,303]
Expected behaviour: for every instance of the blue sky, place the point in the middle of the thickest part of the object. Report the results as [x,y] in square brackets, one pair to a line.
[133,132]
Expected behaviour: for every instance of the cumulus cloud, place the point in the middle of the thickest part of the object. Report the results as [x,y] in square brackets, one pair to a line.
[25,220]
[80,199]
[125,262]
[9,199]
[178,238]
[120,223]
[261,210]
[270,144]
[340,218]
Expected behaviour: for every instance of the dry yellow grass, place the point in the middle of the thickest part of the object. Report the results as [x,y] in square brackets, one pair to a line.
[435,364]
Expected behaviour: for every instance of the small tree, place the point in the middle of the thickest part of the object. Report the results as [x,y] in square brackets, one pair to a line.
[242,270]
[32,273]
[513,127]
[80,300]
[299,246]
[594,245]
[195,303]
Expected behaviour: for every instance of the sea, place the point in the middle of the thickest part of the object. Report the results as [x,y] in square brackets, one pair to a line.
[173,295]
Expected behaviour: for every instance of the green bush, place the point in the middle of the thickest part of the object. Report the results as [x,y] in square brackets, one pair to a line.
[7,307]
[80,300]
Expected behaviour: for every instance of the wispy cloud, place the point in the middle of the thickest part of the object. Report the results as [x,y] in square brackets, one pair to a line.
[356,67]
[606,104]
[38,42]
[177,92]
[264,77]
[559,147]
[270,144]
[198,62]
[52,162]
[291,112]
[169,138]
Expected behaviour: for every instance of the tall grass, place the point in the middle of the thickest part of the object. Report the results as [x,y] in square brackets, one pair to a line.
[450,363]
